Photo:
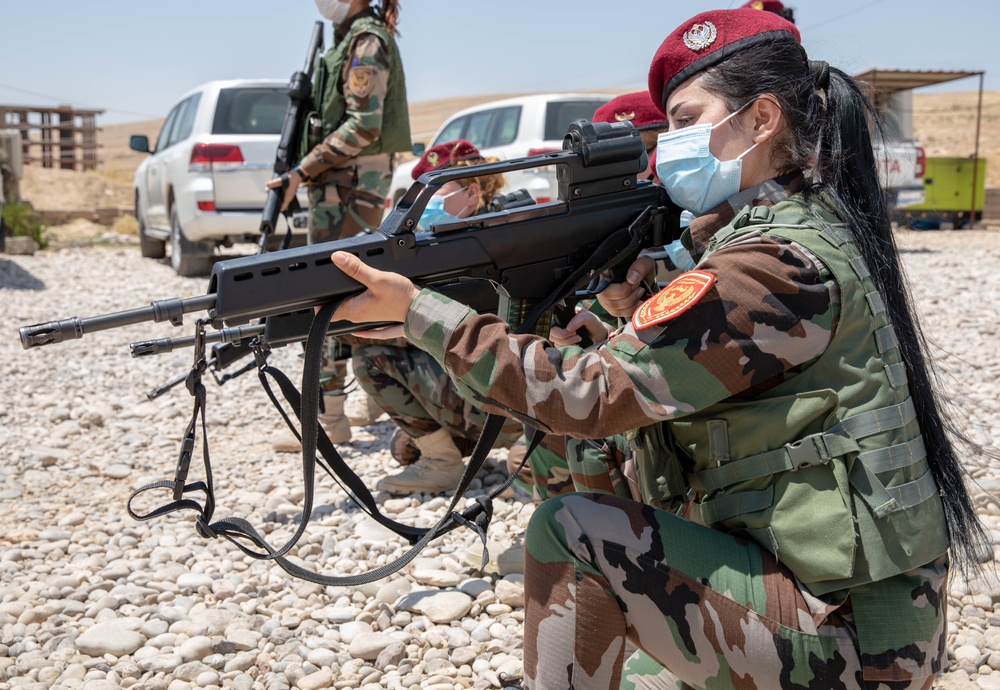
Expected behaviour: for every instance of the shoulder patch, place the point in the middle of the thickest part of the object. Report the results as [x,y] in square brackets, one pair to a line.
[672,301]
[359,81]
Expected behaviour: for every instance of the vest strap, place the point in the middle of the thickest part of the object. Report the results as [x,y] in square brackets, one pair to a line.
[837,235]
[885,339]
[860,268]
[883,419]
[816,449]
[894,457]
[897,374]
[718,441]
[728,506]
[875,303]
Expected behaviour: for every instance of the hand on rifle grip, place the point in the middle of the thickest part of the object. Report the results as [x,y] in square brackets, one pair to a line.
[289,183]
[621,299]
[593,330]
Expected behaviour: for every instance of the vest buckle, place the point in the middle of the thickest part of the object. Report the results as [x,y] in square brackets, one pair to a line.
[804,453]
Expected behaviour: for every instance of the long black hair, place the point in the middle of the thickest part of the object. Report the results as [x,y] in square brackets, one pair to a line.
[829,135]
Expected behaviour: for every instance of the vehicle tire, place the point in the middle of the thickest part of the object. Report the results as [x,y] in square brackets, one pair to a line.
[150,247]
[188,258]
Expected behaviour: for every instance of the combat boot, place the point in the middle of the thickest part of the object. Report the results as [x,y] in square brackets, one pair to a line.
[332,420]
[439,468]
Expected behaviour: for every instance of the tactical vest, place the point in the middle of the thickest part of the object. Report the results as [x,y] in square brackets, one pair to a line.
[827,470]
[331,106]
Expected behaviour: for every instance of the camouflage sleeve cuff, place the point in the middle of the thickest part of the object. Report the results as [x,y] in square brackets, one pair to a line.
[319,161]
[432,321]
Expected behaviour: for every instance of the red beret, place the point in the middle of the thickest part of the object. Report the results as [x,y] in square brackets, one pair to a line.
[769,5]
[443,155]
[706,39]
[636,108]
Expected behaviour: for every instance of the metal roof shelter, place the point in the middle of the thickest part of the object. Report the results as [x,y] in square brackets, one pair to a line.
[889,81]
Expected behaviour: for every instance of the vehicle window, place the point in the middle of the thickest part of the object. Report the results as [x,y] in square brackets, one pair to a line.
[452,131]
[504,128]
[560,114]
[250,110]
[183,110]
[185,119]
[479,126]
[164,136]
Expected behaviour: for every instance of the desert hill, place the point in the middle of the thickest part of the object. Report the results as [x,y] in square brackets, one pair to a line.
[944,123]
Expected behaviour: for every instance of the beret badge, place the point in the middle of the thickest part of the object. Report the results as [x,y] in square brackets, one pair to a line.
[432,158]
[700,36]
[624,117]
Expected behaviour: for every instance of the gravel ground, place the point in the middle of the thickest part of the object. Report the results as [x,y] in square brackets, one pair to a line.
[91,599]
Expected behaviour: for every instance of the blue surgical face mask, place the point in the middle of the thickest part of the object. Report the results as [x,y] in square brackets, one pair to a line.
[694,178]
[434,213]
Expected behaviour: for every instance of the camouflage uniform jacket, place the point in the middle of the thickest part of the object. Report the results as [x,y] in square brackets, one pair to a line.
[772,315]
[335,159]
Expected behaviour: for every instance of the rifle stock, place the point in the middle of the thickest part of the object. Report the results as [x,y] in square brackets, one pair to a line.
[503,262]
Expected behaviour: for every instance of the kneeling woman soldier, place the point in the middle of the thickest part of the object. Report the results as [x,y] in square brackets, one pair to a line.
[779,390]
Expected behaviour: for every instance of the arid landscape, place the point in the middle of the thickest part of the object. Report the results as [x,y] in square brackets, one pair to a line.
[944,123]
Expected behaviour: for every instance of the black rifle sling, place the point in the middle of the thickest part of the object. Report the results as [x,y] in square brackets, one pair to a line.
[476,517]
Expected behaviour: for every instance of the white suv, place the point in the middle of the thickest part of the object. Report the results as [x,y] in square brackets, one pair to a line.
[203,185]
[511,128]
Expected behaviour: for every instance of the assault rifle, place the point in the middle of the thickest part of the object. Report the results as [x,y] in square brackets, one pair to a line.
[518,262]
[503,262]
[292,131]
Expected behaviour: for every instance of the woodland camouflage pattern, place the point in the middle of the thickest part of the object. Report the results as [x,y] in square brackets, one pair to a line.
[416,393]
[735,616]
[347,191]
[670,586]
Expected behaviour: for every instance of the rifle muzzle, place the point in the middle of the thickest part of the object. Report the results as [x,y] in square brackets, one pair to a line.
[52,332]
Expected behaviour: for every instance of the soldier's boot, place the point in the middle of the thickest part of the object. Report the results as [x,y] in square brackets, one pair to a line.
[332,419]
[363,409]
[402,448]
[439,468]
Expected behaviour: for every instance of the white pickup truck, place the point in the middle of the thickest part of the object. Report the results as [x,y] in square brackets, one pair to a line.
[901,161]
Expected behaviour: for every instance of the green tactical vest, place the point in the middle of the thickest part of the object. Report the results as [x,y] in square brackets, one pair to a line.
[827,470]
[331,106]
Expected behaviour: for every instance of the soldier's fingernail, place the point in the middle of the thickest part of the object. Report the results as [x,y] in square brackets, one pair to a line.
[633,277]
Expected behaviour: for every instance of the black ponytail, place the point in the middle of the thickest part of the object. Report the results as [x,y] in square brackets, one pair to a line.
[829,136]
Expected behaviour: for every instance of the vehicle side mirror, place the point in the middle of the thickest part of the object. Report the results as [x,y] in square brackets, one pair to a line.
[419,148]
[139,142]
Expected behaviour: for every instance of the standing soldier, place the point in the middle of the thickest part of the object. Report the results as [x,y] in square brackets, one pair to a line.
[360,121]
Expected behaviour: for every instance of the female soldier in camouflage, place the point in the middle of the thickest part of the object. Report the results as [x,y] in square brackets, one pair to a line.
[360,121]
[778,393]
[408,383]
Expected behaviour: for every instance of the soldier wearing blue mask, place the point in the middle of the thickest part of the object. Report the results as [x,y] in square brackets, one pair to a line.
[436,426]
[801,492]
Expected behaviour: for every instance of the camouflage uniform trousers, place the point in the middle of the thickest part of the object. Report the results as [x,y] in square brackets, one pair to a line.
[345,202]
[716,610]
[418,395]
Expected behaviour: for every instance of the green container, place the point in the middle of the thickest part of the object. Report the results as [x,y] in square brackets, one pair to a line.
[948,186]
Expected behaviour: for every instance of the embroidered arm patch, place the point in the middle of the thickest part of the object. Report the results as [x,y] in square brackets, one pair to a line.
[673,300]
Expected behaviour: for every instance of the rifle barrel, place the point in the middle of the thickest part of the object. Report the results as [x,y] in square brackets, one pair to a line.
[172,309]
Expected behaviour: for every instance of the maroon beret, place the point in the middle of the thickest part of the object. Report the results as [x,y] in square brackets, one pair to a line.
[768,5]
[709,38]
[443,155]
[636,108]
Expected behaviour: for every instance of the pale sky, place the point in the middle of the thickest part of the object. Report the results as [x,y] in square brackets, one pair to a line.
[134,58]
